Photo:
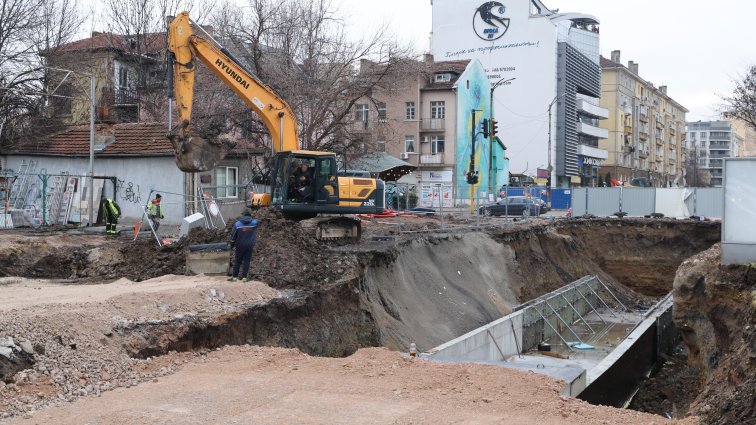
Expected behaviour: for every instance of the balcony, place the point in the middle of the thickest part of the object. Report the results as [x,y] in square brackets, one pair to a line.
[432,124]
[643,135]
[643,118]
[432,159]
[592,152]
[643,153]
[588,108]
[672,131]
[590,130]
[659,141]
[628,129]
[125,97]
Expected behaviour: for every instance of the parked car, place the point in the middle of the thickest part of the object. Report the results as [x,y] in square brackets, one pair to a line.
[515,205]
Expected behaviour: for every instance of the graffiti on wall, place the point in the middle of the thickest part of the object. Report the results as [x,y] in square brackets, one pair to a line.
[129,192]
[473,94]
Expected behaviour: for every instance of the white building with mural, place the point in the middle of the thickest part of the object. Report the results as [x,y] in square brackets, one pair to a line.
[545,69]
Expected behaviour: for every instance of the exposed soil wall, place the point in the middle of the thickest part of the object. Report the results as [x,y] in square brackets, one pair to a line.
[327,323]
[460,282]
[715,310]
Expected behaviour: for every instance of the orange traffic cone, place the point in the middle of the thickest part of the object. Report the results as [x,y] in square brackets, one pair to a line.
[137,225]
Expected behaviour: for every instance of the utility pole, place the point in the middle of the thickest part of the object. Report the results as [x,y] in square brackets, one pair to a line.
[491,136]
[471,177]
[550,168]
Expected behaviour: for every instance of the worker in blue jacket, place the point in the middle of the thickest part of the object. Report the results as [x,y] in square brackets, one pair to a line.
[243,238]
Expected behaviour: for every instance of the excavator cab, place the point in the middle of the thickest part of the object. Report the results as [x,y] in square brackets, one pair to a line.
[303,181]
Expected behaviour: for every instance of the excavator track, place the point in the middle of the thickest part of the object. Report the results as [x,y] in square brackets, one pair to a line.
[339,228]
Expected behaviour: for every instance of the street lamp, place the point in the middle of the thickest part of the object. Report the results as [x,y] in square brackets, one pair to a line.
[550,167]
[491,139]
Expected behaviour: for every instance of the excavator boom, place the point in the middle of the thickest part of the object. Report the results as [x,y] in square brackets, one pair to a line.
[184,48]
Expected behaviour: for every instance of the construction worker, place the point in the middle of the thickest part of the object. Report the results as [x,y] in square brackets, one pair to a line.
[155,212]
[243,238]
[112,212]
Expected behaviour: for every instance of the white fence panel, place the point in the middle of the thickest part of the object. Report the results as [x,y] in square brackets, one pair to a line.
[706,202]
[638,201]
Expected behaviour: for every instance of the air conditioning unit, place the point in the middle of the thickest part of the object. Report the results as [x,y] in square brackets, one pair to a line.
[424,139]
[404,155]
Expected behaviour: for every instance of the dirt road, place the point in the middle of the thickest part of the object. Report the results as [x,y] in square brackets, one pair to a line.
[244,385]
[21,292]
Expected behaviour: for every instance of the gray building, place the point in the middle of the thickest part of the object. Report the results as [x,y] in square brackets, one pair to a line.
[708,143]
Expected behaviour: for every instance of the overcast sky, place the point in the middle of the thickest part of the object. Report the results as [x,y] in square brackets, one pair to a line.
[695,47]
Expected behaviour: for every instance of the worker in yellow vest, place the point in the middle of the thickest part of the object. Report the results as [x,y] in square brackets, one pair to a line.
[112,212]
[155,212]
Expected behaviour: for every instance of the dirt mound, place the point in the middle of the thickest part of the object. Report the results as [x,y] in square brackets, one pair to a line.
[715,310]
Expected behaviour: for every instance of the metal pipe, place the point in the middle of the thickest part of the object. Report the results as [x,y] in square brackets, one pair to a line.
[563,321]
[612,294]
[567,344]
[602,301]
[497,345]
[576,312]
[91,149]
[591,305]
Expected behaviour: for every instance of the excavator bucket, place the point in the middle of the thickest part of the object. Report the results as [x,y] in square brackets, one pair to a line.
[194,154]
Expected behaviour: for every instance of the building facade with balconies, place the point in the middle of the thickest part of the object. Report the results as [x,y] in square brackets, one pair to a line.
[646,127]
[709,142]
[549,111]
[422,114]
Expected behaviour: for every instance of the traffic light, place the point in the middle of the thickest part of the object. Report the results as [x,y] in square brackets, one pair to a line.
[484,125]
[472,177]
[494,127]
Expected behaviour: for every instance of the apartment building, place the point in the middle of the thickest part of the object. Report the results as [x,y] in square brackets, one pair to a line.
[646,127]
[422,113]
[549,111]
[709,142]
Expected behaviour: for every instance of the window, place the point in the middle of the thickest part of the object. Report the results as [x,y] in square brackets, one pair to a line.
[438,109]
[63,104]
[437,144]
[361,112]
[409,143]
[380,146]
[381,112]
[123,77]
[442,78]
[703,135]
[226,179]
[409,110]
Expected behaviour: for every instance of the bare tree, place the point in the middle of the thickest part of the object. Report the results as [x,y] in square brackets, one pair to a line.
[27,29]
[742,103]
[302,50]
[143,23]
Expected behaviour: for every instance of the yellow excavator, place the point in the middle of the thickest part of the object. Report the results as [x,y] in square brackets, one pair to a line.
[327,193]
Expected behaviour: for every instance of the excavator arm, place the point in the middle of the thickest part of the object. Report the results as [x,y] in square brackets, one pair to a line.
[184,48]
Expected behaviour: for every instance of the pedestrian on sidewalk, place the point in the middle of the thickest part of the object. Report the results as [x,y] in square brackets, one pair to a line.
[112,212]
[155,212]
[243,239]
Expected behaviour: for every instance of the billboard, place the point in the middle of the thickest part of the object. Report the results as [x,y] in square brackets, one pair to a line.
[510,43]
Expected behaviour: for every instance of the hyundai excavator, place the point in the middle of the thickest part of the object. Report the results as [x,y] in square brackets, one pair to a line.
[328,193]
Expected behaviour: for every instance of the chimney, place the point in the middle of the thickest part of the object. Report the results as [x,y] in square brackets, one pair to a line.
[616,56]
[366,66]
[428,58]
[663,89]
[633,67]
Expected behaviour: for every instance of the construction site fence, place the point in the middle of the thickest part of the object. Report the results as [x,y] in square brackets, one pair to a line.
[405,196]
[636,201]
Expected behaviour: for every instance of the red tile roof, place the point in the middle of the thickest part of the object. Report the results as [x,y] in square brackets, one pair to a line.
[134,139]
[152,43]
